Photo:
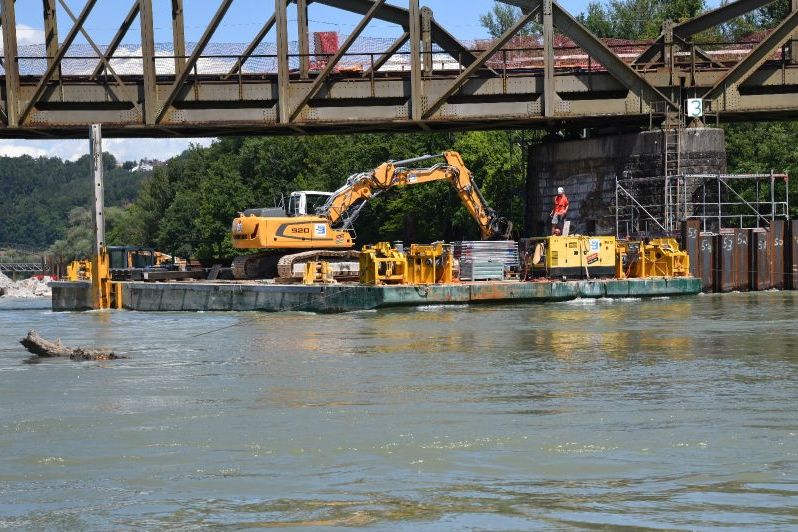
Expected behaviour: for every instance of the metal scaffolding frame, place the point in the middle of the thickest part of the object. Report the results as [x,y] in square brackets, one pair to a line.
[472,91]
[656,206]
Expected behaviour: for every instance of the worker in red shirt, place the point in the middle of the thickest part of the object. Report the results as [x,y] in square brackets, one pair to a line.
[559,212]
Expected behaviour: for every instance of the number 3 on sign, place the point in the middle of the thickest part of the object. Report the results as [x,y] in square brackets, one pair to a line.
[695,107]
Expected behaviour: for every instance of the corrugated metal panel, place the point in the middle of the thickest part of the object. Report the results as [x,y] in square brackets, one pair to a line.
[486,260]
[724,257]
[690,231]
[706,260]
[760,260]
[778,236]
[741,260]
[792,256]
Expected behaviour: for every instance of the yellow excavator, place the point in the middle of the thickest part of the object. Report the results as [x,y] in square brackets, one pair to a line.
[318,226]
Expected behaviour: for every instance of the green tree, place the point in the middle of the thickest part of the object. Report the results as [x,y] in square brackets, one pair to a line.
[637,19]
[502,17]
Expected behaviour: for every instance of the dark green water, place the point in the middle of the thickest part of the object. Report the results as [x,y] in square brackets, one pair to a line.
[676,413]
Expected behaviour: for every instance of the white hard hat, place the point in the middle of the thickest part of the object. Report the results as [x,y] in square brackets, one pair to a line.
[560,190]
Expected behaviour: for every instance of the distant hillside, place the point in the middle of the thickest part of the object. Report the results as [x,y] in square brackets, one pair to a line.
[36,195]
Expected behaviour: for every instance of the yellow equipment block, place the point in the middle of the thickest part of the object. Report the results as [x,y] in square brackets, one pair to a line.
[79,270]
[571,256]
[382,264]
[318,272]
[660,257]
[433,264]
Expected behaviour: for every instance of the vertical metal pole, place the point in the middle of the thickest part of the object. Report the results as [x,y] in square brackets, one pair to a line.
[96,152]
[9,23]
[548,58]
[772,197]
[667,47]
[283,101]
[51,35]
[303,37]
[416,111]
[178,36]
[617,211]
[426,39]
[794,42]
[148,62]
[720,217]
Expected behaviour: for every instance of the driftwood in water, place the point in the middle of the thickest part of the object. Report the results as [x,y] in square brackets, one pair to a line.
[45,348]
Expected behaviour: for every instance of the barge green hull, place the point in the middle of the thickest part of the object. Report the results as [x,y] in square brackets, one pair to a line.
[194,297]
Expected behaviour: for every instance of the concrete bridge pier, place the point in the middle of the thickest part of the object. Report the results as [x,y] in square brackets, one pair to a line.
[587,169]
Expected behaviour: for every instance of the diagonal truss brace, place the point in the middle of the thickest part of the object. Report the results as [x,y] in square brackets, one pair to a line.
[195,55]
[117,40]
[62,50]
[390,52]
[254,43]
[708,20]
[484,56]
[332,62]
[397,15]
[743,70]
[616,66]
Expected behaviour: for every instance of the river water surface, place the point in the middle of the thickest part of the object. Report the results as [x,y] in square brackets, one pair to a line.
[670,413]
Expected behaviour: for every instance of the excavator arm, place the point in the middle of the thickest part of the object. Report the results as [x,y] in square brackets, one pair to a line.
[346,203]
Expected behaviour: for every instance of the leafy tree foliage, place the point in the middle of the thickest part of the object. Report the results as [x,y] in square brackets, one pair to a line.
[502,17]
[637,19]
[38,195]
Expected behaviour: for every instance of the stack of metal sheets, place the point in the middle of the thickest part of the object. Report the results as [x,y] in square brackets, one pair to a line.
[486,260]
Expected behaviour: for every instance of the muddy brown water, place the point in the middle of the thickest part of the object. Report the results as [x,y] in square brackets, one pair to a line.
[669,413]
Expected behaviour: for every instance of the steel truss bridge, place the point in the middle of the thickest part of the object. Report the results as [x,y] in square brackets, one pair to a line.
[426,79]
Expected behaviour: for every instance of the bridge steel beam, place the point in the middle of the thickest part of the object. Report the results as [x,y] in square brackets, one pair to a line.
[794,43]
[149,74]
[283,73]
[62,50]
[333,61]
[303,37]
[50,32]
[9,24]
[117,40]
[484,56]
[195,55]
[745,68]
[416,83]
[178,36]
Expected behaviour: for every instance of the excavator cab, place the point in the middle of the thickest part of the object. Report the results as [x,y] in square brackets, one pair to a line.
[306,202]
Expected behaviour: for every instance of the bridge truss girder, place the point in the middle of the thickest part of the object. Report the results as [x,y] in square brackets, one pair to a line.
[473,95]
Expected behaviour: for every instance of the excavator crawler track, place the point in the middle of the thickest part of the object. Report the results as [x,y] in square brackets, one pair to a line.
[285,266]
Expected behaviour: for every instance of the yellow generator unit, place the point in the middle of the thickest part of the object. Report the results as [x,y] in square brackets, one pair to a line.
[382,264]
[79,270]
[433,264]
[660,257]
[578,257]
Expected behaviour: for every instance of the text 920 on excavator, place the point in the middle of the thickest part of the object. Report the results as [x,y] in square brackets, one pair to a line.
[319,225]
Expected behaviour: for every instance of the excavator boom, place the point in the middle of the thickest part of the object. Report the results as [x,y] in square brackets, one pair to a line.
[345,204]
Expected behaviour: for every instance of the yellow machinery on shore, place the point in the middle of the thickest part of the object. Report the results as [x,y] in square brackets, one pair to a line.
[579,257]
[660,257]
[423,264]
